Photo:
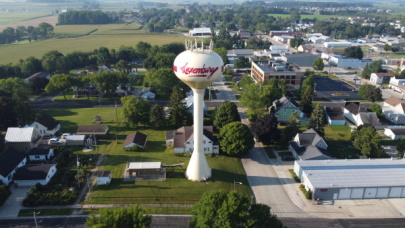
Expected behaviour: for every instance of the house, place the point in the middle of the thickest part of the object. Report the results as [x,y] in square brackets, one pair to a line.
[42,75]
[394,110]
[22,139]
[358,114]
[100,130]
[309,145]
[279,33]
[30,175]
[305,48]
[46,125]
[103,177]
[10,160]
[235,54]
[395,133]
[37,154]
[334,115]
[148,95]
[189,102]
[200,32]
[136,138]
[380,78]
[284,107]
[105,67]
[182,140]
[146,170]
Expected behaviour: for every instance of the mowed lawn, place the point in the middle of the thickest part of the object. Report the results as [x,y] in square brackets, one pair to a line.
[175,190]
[339,143]
[70,38]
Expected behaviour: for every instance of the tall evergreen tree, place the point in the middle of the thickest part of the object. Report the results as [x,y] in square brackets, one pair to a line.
[179,115]
[306,100]
[265,129]
[317,120]
[157,117]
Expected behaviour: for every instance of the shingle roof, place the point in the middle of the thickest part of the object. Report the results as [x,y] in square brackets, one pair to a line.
[137,138]
[383,74]
[145,165]
[183,134]
[354,107]
[9,160]
[47,121]
[334,113]
[38,75]
[16,134]
[369,118]
[310,152]
[398,131]
[93,129]
[33,172]
[37,151]
[103,173]
[393,101]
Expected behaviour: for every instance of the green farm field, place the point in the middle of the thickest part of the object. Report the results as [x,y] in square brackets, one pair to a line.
[175,190]
[9,18]
[303,16]
[69,38]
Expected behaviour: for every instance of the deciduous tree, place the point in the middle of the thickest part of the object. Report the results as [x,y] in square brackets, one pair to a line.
[318,64]
[135,110]
[292,128]
[353,52]
[367,140]
[226,113]
[157,117]
[107,81]
[265,129]
[59,82]
[306,100]
[135,216]
[236,139]
[370,92]
[251,98]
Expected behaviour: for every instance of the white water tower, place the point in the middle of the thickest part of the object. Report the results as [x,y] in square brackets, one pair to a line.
[198,67]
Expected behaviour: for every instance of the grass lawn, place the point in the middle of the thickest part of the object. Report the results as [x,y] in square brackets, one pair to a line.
[175,190]
[44,212]
[110,35]
[269,151]
[339,144]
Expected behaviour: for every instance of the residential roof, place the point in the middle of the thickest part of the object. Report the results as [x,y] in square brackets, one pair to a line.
[92,129]
[16,134]
[302,59]
[369,118]
[33,172]
[334,113]
[9,160]
[354,107]
[393,101]
[280,103]
[75,137]
[37,151]
[310,152]
[383,74]
[354,173]
[41,74]
[145,165]
[137,138]
[398,131]
[103,173]
[183,134]
[47,121]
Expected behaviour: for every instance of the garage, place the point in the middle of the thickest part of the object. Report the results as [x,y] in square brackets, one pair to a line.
[345,193]
[357,193]
[395,192]
[353,179]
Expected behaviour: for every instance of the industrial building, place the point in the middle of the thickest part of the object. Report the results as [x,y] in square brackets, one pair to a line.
[263,71]
[353,179]
[200,32]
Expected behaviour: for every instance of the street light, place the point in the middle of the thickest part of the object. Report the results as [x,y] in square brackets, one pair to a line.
[35,219]
[234,183]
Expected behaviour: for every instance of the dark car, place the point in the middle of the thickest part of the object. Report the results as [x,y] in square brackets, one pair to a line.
[287,158]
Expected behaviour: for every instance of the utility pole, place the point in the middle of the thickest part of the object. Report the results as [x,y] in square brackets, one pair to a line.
[78,176]
[35,219]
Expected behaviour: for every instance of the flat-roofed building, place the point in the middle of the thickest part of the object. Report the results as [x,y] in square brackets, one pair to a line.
[352,179]
[263,71]
[200,32]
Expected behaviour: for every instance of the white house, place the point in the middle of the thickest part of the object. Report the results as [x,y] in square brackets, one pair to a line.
[309,145]
[200,32]
[182,140]
[136,138]
[358,114]
[22,139]
[380,78]
[30,175]
[189,100]
[46,125]
[395,133]
[37,154]
[394,110]
[103,177]
[10,161]
[279,48]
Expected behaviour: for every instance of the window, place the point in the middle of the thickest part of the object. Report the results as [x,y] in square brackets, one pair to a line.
[204,141]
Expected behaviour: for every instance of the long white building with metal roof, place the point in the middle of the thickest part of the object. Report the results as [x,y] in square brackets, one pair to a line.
[353,179]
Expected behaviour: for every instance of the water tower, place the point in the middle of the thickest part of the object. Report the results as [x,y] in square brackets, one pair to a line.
[198,67]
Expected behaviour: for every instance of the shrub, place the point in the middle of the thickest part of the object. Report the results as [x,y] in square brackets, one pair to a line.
[295,176]
[308,194]
[134,148]
[4,193]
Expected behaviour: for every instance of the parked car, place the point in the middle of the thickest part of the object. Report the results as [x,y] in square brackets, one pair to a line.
[54,141]
[287,158]
[64,135]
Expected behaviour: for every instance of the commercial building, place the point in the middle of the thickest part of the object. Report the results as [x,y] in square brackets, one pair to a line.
[337,44]
[353,179]
[200,32]
[263,71]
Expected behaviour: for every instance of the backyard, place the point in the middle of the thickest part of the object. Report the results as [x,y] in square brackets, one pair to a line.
[339,143]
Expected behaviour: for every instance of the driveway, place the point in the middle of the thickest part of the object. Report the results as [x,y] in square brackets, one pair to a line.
[14,203]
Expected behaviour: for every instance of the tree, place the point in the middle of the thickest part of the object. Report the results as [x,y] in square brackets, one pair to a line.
[123,66]
[222,52]
[159,60]
[270,92]
[59,82]
[226,113]
[370,92]
[54,62]
[296,42]
[157,117]
[401,147]
[353,52]
[377,109]
[306,100]
[374,67]
[143,48]
[318,64]
[7,115]
[265,129]
[387,47]
[178,114]
[45,29]
[135,216]
[292,128]
[108,81]
[30,66]
[22,107]
[252,99]
[103,56]
[162,81]
[317,120]
[220,209]
[295,16]
[367,140]
[135,110]
[236,139]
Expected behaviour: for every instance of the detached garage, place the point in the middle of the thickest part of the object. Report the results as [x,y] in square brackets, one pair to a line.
[353,179]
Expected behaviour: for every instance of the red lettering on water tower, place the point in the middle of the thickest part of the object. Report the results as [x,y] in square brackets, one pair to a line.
[205,72]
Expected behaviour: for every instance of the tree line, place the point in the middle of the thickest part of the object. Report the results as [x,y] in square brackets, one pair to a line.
[10,34]
[87,17]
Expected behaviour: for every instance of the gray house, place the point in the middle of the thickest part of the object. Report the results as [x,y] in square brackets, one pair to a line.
[309,145]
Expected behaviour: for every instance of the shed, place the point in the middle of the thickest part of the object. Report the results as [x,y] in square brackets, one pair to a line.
[136,138]
[334,115]
[73,140]
[353,179]
[30,175]
[92,130]
[146,170]
[103,177]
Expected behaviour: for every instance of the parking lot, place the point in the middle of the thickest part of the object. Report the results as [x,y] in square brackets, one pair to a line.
[333,89]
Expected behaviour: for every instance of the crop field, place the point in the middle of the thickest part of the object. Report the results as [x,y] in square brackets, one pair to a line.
[303,16]
[175,190]
[69,38]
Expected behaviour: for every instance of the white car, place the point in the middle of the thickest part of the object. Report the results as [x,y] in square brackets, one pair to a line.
[54,141]
[64,135]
